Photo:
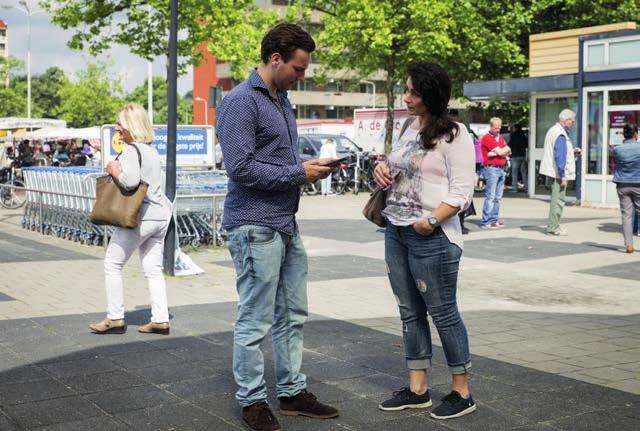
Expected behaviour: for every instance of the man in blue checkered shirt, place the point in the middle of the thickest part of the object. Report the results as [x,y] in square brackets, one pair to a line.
[257,131]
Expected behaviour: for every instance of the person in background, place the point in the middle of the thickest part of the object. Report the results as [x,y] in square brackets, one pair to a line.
[518,144]
[559,164]
[495,152]
[60,156]
[39,157]
[25,153]
[328,150]
[139,161]
[479,160]
[627,179]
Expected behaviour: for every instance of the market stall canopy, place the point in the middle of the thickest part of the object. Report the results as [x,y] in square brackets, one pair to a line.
[13,123]
[92,134]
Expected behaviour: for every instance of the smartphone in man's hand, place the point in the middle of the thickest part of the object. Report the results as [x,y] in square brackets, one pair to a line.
[335,162]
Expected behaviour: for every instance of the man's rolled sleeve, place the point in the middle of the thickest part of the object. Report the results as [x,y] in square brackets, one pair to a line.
[237,138]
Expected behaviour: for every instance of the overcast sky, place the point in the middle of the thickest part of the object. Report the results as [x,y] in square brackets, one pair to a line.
[49,48]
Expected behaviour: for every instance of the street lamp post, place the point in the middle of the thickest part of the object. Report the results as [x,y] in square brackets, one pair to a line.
[373,85]
[206,109]
[26,10]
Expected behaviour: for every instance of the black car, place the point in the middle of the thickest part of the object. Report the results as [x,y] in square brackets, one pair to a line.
[309,145]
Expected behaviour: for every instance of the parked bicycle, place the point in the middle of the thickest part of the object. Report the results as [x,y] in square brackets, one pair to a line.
[360,172]
[15,196]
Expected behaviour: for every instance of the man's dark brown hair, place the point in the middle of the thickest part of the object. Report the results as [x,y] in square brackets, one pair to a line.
[284,39]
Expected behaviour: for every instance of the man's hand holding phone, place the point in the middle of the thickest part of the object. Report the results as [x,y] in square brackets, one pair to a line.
[314,170]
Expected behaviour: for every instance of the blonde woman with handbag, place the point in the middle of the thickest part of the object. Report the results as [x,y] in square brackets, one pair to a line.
[139,161]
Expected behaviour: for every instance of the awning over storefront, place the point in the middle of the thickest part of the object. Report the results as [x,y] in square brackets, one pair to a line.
[519,88]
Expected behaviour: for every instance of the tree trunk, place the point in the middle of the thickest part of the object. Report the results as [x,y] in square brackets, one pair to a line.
[389,85]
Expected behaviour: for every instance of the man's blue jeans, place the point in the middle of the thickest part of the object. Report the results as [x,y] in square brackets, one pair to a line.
[494,187]
[271,279]
[423,272]
[519,166]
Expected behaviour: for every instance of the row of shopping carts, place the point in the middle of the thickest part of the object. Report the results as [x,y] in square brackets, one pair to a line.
[198,194]
[68,196]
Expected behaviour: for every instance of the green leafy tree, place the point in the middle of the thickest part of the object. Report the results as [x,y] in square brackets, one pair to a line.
[160,110]
[142,25]
[92,100]
[13,96]
[232,27]
[372,35]
[555,15]
[45,92]
[10,67]
[244,25]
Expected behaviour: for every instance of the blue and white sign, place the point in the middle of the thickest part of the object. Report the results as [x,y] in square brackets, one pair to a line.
[194,144]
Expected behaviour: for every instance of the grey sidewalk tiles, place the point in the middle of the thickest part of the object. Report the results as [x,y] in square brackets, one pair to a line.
[514,250]
[627,271]
[184,381]
[342,230]
[20,249]
[339,267]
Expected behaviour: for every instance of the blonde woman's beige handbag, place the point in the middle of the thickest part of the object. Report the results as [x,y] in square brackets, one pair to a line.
[116,206]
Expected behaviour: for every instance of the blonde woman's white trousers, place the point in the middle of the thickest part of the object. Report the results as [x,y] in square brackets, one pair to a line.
[148,238]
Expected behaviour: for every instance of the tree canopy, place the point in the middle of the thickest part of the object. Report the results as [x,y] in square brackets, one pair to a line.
[92,100]
[373,35]
[160,109]
[233,28]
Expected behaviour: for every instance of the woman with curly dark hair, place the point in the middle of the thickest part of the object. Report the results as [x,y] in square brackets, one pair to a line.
[430,175]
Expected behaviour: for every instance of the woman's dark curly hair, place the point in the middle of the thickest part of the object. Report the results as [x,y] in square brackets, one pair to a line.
[431,82]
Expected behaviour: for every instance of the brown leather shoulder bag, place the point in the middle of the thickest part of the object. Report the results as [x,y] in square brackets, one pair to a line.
[115,205]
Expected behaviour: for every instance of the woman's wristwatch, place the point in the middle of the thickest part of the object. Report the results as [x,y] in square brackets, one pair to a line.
[433,221]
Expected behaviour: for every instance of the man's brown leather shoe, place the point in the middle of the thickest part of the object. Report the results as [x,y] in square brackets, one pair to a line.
[630,249]
[306,404]
[155,328]
[108,326]
[259,417]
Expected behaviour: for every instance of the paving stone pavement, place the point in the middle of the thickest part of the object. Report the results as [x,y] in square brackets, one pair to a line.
[553,323]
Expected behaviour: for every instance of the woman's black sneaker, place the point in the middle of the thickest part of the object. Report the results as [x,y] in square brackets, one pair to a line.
[405,399]
[454,406]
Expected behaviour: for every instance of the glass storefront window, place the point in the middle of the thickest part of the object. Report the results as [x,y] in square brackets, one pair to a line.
[595,55]
[617,120]
[594,132]
[627,51]
[624,97]
[547,110]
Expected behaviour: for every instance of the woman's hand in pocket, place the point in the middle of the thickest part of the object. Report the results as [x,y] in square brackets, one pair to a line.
[423,227]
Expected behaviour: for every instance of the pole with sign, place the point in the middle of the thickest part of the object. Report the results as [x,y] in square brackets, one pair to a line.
[172,96]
